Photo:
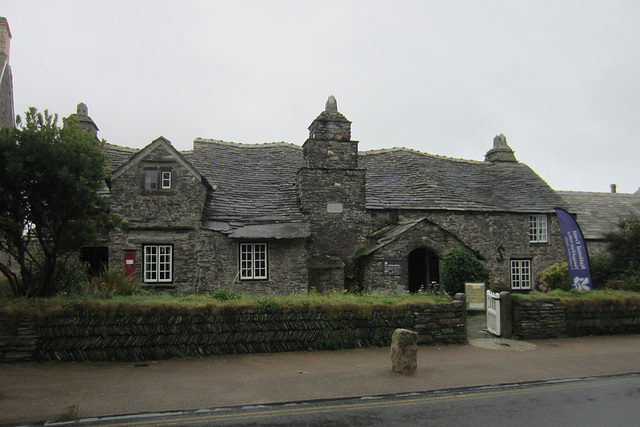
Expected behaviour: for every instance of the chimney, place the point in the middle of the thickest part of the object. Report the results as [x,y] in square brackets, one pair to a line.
[614,188]
[85,122]
[501,152]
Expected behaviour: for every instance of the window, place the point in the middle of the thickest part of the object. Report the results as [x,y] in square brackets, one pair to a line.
[166,179]
[520,274]
[538,228]
[154,179]
[150,179]
[253,261]
[158,263]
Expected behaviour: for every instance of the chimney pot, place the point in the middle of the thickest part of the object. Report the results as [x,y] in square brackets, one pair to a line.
[614,188]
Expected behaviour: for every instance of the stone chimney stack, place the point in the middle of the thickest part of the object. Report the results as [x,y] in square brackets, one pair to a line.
[7,115]
[331,192]
[501,152]
[85,122]
[329,144]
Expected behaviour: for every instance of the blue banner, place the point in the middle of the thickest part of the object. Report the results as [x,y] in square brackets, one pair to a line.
[576,250]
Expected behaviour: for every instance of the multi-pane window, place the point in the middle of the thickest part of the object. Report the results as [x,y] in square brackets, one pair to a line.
[154,179]
[158,262]
[166,179]
[538,228]
[253,261]
[150,179]
[520,274]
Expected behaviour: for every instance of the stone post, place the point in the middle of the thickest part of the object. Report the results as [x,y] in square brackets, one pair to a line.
[506,315]
[404,351]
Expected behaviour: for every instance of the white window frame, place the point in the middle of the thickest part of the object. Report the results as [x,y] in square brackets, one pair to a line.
[157,263]
[253,261]
[538,228]
[520,274]
[165,180]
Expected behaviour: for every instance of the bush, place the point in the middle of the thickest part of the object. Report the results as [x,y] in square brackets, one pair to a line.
[460,266]
[225,295]
[110,283]
[71,271]
[555,276]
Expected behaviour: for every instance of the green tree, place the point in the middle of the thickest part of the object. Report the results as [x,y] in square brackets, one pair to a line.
[460,266]
[50,177]
[622,260]
[624,247]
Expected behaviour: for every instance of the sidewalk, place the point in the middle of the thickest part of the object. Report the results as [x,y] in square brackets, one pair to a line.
[33,392]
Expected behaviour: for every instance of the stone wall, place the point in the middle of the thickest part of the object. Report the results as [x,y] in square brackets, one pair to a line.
[555,318]
[496,237]
[216,265]
[81,335]
[333,201]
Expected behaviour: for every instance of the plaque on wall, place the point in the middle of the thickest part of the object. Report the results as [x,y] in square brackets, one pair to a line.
[392,267]
[475,296]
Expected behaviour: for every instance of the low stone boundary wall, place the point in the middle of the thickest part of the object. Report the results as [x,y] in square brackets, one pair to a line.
[555,318]
[78,335]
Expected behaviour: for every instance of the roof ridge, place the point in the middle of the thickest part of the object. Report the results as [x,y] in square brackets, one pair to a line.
[121,147]
[246,145]
[422,153]
[596,193]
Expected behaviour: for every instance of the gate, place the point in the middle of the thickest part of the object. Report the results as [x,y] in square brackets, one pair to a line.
[493,313]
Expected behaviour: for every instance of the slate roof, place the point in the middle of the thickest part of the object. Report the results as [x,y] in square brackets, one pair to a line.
[600,213]
[254,183]
[254,191]
[400,178]
[118,155]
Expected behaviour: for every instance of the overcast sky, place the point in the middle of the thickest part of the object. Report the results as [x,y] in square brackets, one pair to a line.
[561,79]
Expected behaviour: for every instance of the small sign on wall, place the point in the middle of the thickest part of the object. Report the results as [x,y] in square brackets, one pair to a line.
[475,295]
[392,267]
[334,207]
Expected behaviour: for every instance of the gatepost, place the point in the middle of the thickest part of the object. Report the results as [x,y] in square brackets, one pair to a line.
[506,322]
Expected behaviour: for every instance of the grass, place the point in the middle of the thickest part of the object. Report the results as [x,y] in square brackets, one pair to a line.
[586,297]
[191,304]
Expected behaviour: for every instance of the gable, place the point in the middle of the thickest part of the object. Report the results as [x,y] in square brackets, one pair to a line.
[161,150]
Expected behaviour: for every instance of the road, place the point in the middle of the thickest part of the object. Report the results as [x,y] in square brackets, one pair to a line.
[595,401]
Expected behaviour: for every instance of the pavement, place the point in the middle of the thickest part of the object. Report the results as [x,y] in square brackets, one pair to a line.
[38,392]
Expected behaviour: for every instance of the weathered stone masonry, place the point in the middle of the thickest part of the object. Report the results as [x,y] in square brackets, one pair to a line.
[86,335]
[554,318]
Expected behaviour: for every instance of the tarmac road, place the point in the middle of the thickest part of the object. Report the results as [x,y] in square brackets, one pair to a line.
[594,401]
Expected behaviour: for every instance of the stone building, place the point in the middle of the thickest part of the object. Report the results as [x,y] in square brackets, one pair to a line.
[600,213]
[279,218]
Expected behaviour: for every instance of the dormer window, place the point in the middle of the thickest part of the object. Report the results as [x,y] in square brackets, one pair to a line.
[157,179]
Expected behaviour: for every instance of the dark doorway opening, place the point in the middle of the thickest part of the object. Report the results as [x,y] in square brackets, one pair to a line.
[97,258]
[424,269]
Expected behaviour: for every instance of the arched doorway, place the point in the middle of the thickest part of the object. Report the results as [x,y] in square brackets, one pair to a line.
[424,269]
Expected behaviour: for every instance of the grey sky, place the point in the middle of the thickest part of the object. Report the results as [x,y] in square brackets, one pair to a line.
[561,79]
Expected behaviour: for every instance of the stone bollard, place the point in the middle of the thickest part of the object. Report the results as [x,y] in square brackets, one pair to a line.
[404,351]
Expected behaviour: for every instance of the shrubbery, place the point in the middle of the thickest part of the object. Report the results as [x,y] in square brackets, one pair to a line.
[460,266]
[618,269]
[556,276]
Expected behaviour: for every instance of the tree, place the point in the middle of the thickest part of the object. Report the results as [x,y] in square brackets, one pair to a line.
[460,266]
[622,260]
[624,247]
[50,207]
